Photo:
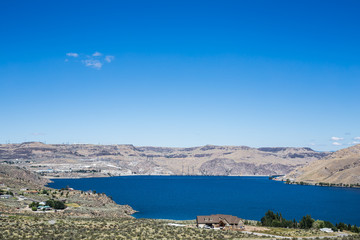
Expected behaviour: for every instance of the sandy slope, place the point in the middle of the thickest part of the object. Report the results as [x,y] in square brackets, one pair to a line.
[342,166]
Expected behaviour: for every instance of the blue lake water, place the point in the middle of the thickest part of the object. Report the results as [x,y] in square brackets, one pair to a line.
[185,197]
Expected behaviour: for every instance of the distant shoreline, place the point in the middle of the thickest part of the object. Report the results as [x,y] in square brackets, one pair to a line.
[272,179]
[146,175]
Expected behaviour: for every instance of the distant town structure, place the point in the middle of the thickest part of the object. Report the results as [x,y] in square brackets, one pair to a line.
[44,208]
[5,196]
[31,191]
[219,221]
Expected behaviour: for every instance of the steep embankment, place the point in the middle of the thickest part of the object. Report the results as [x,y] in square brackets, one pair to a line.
[341,167]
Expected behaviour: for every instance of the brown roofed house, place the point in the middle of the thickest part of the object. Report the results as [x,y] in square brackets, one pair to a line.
[32,191]
[220,220]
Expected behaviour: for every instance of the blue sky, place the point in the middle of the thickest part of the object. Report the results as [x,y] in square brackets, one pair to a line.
[181,73]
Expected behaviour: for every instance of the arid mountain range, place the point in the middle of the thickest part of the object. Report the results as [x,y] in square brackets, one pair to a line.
[340,167]
[86,160]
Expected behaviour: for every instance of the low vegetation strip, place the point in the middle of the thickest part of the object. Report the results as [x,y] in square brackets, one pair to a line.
[29,227]
[276,220]
[47,227]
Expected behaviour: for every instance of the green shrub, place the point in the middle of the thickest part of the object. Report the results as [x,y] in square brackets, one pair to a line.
[55,204]
[306,222]
[33,204]
[318,224]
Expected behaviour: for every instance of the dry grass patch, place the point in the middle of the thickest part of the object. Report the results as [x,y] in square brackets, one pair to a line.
[75,205]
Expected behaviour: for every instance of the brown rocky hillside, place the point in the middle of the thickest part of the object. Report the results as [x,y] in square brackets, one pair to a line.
[87,160]
[13,174]
[342,166]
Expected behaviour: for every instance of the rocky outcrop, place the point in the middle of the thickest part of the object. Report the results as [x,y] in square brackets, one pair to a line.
[228,167]
[96,205]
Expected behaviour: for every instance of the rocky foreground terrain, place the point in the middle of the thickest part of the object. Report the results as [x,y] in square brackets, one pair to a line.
[24,187]
[86,160]
[46,227]
[341,168]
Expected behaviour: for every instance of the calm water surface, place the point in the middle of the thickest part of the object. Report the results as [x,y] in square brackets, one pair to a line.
[184,197]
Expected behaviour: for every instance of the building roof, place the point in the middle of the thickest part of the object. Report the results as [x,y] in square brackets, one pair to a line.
[5,196]
[41,207]
[216,218]
[31,191]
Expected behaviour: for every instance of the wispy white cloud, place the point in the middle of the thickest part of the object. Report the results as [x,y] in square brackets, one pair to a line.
[336,143]
[355,142]
[109,58]
[92,63]
[72,55]
[97,54]
[356,138]
[95,60]
[337,138]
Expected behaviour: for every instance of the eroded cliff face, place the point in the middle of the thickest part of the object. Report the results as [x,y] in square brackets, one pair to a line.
[229,167]
[86,160]
[340,167]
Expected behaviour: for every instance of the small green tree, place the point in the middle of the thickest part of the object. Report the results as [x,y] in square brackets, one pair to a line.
[33,204]
[50,203]
[55,204]
[341,226]
[306,222]
[10,193]
[318,224]
[268,218]
[328,224]
[59,205]
[294,223]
